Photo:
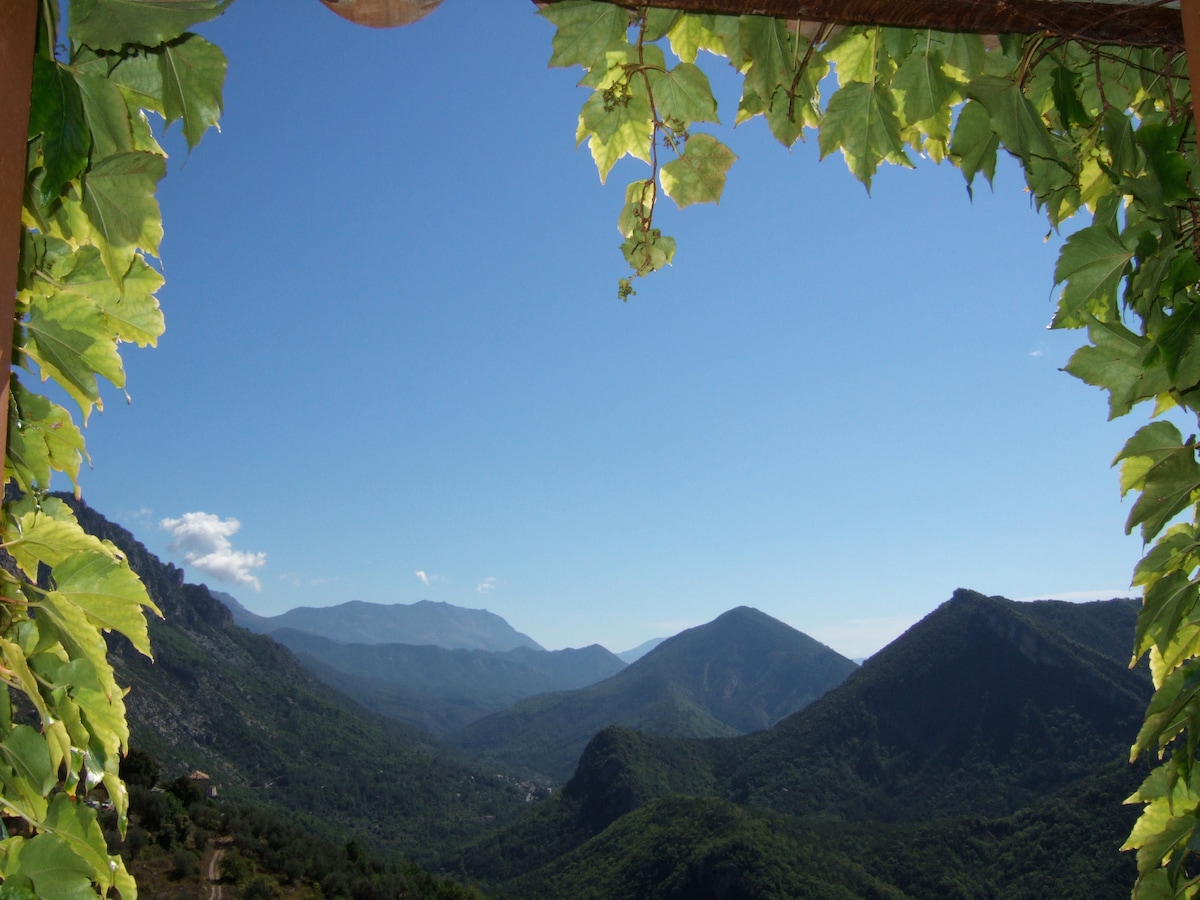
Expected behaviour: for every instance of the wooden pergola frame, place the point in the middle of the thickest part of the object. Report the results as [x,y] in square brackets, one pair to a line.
[1154,24]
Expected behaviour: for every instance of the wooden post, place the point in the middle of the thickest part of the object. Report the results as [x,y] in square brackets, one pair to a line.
[18,42]
[1191,39]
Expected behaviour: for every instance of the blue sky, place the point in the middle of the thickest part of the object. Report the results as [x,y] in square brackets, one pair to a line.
[394,355]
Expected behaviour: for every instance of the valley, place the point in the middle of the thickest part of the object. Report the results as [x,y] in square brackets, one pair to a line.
[980,754]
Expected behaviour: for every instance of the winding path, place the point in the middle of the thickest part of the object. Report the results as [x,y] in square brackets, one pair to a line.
[214,874]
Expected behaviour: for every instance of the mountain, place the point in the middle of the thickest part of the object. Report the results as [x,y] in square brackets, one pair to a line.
[442,690]
[631,656]
[979,708]
[424,622]
[979,754]
[739,673]
[703,848]
[241,708]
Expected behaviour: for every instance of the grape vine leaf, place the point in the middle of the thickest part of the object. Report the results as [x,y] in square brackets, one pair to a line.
[1093,263]
[118,197]
[1116,361]
[193,72]
[70,340]
[584,30]
[698,176]
[109,592]
[59,119]
[861,120]
[683,94]
[113,24]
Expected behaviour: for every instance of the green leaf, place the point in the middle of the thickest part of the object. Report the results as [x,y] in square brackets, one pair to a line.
[40,537]
[1117,363]
[1167,603]
[768,46]
[1092,262]
[694,32]
[854,55]
[659,22]
[41,438]
[89,668]
[118,197]
[1160,143]
[861,120]
[616,130]
[113,24]
[75,823]
[975,142]
[964,54]
[639,199]
[139,76]
[1169,486]
[69,339]
[585,29]
[193,72]
[1014,118]
[25,749]
[57,115]
[699,175]
[130,310]
[1117,133]
[107,115]
[1149,446]
[109,592]
[56,870]
[648,251]
[922,86]
[683,94]
[1178,548]
[1064,84]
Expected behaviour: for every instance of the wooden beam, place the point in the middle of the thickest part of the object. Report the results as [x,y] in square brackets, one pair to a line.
[18,41]
[1129,24]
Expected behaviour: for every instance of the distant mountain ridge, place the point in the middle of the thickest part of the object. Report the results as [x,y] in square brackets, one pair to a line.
[739,673]
[442,690]
[240,707]
[423,622]
[636,653]
[992,730]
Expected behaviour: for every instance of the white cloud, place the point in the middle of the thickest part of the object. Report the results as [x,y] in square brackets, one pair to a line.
[427,578]
[203,541]
[488,585]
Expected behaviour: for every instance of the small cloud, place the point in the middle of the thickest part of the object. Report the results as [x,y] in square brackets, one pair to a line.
[427,578]
[203,541]
[488,585]
[1037,353]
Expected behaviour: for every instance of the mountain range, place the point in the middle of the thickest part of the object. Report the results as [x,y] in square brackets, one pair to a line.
[441,690]
[988,711]
[423,622]
[742,672]
[981,754]
[241,708]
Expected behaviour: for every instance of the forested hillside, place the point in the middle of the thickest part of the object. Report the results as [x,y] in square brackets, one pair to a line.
[932,763]
[239,707]
[441,690]
[741,672]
